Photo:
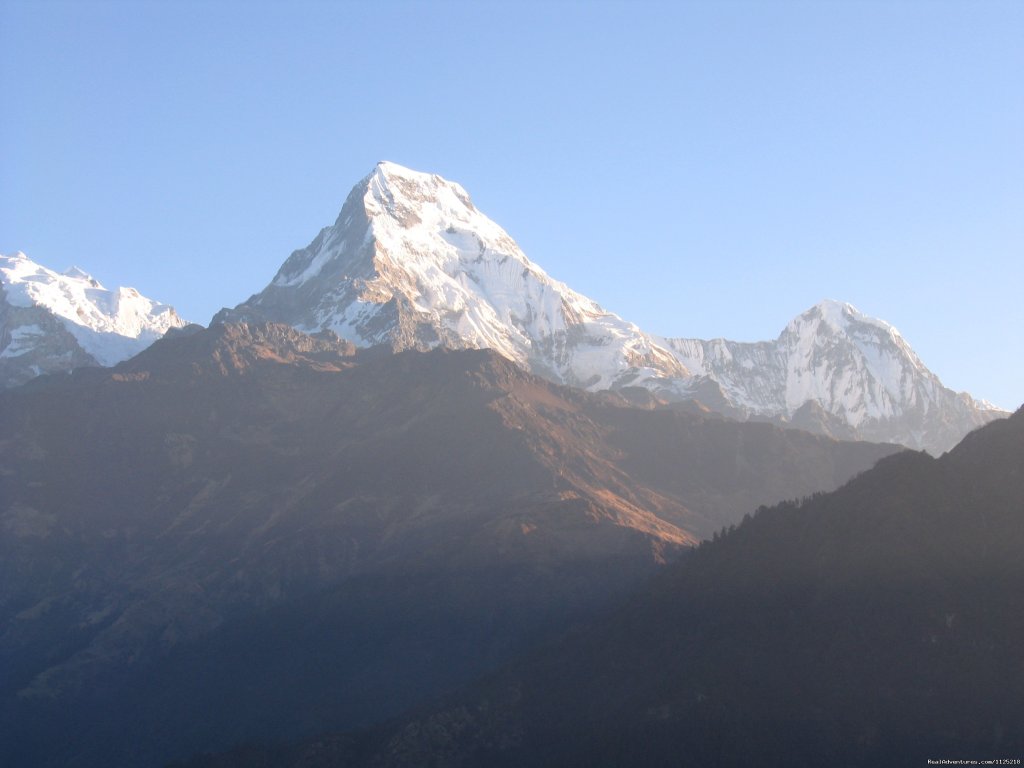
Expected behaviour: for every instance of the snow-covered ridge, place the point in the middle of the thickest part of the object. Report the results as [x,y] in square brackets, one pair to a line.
[54,321]
[412,263]
[857,369]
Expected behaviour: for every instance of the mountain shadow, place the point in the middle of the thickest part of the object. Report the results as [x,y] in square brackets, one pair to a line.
[882,624]
[248,533]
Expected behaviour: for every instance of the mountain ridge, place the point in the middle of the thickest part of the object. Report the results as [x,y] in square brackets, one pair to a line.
[322,505]
[410,262]
[878,624]
[54,322]
[858,370]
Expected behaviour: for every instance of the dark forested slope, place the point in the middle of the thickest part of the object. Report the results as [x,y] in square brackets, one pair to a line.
[250,533]
[882,624]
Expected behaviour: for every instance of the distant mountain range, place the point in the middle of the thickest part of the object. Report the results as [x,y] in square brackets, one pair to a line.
[410,263]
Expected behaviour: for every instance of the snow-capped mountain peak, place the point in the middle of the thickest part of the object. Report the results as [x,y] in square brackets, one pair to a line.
[856,370]
[412,263]
[393,185]
[841,317]
[76,273]
[859,366]
[53,321]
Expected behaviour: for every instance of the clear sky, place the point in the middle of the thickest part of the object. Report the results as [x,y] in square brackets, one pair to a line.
[700,168]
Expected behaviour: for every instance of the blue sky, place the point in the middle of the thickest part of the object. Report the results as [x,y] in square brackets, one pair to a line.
[700,168]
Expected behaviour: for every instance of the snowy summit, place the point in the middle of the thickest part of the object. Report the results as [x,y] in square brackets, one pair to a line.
[52,321]
[836,370]
[411,263]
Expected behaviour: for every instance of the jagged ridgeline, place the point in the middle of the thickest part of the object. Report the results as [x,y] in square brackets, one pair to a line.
[54,322]
[411,263]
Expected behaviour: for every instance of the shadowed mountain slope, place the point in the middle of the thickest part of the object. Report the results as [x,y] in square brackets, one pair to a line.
[882,624]
[247,532]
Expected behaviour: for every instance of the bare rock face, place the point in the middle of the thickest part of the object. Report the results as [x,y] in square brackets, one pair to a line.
[35,342]
[411,263]
[53,323]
